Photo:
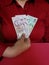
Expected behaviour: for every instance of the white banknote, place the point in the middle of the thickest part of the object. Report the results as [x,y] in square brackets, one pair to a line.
[24,24]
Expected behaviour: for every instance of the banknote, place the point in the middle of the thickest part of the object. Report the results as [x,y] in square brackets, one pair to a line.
[24,24]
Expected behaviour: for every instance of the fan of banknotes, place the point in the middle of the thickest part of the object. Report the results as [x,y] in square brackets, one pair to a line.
[24,24]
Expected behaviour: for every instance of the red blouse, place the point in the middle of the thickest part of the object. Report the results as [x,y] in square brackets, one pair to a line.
[40,32]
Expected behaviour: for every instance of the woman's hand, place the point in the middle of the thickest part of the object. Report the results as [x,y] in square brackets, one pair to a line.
[19,47]
[22,45]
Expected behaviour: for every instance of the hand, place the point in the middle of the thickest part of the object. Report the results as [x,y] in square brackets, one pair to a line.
[22,45]
[19,47]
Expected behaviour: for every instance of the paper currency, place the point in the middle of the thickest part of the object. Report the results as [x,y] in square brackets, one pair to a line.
[24,24]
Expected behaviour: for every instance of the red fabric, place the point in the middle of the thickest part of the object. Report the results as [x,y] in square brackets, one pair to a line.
[44,8]
[5,2]
[2,45]
[38,54]
[2,48]
[39,1]
[15,9]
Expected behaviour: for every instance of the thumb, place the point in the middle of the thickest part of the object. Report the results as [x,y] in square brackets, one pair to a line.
[23,37]
[28,40]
